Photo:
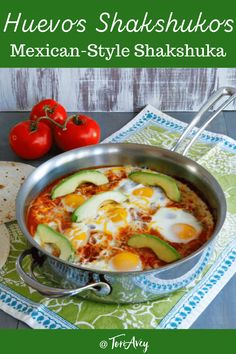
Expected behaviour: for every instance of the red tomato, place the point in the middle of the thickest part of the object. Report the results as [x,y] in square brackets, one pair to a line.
[30,142]
[53,109]
[80,131]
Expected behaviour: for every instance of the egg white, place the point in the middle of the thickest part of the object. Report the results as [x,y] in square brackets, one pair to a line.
[98,264]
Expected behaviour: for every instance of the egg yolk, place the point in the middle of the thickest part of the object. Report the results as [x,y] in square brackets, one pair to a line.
[125,261]
[143,192]
[80,237]
[74,200]
[75,233]
[184,231]
[118,214]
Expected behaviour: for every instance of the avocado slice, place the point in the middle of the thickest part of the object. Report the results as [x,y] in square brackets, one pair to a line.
[162,249]
[167,183]
[48,235]
[68,185]
[89,207]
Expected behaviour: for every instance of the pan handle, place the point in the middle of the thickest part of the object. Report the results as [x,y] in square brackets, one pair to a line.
[223,91]
[100,288]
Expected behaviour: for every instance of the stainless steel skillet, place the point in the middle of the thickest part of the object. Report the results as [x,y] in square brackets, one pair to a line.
[126,287]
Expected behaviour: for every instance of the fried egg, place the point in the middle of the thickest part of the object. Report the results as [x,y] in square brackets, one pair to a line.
[143,197]
[176,225]
[111,218]
[125,262]
[72,201]
[78,234]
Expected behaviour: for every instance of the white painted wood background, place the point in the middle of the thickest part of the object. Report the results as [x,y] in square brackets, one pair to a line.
[115,90]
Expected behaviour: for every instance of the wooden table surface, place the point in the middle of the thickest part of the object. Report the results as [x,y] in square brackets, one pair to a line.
[221,313]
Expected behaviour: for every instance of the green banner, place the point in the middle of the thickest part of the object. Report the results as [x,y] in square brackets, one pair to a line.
[111,341]
[117,33]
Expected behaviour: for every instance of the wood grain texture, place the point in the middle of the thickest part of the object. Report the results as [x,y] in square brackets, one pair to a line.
[111,89]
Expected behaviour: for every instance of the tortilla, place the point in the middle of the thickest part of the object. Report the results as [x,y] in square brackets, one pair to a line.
[12,175]
[4,245]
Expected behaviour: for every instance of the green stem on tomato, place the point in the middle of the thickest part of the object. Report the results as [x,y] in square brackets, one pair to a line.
[78,120]
[50,120]
[33,126]
[63,127]
[49,109]
[67,120]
